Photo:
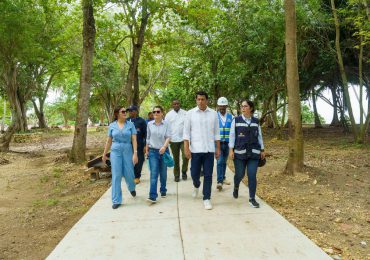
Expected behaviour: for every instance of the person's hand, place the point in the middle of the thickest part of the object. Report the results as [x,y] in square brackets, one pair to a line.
[162,150]
[146,153]
[134,158]
[217,153]
[104,158]
[187,153]
[231,154]
[263,155]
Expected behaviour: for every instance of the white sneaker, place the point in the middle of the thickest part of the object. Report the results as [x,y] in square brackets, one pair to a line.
[207,204]
[195,192]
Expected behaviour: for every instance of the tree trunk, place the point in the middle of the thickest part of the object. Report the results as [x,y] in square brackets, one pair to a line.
[360,57]
[136,51]
[40,113]
[346,97]
[80,133]
[7,136]
[4,117]
[316,114]
[335,122]
[295,158]
[274,112]
[135,100]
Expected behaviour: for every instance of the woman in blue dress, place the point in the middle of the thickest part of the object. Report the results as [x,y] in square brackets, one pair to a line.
[123,156]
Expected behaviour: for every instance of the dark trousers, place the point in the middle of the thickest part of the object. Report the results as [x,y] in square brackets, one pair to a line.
[139,166]
[175,149]
[197,161]
[252,166]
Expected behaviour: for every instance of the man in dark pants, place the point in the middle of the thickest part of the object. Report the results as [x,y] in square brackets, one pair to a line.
[202,144]
[140,126]
[176,118]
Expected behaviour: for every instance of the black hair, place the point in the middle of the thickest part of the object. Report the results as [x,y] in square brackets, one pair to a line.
[250,104]
[116,112]
[150,113]
[201,93]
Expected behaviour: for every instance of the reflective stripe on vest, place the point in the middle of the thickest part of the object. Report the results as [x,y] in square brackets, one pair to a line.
[225,129]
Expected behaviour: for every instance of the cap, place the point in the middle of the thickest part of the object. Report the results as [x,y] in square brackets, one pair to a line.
[222,101]
[132,108]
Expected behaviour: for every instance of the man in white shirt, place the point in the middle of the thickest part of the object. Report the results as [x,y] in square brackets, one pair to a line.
[176,118]
[202,144]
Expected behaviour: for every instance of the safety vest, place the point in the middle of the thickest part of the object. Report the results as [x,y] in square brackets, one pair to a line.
[246,139]
[225,127]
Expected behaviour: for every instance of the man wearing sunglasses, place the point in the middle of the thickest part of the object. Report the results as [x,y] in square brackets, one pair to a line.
[140,126]
[176,118]
[202,144]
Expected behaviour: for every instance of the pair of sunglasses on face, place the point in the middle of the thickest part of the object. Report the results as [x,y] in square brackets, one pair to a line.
[156,111]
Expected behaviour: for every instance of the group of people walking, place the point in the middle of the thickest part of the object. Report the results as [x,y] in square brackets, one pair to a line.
[201,134]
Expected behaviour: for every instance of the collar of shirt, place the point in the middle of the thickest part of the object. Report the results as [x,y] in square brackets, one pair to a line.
[206,110]
[155,123]
[246,119]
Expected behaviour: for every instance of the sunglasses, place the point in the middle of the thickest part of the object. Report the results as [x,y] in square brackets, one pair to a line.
[157,111]
[123,111]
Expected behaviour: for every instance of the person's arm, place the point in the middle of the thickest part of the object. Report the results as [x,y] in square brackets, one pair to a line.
[260,141]
[186,135]
[167,136]
[134,146]
[107,147]
[144,130]
[217,136]
[232,140]
[147,141]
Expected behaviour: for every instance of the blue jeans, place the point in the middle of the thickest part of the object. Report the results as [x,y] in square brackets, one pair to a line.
[157,168]
[252,166]
[221,162]
[197,161]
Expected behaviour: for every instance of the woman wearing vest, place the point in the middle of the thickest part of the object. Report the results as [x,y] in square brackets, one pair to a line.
[246,148]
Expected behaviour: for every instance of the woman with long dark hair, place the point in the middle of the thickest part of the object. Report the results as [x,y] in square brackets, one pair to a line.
[246,149]
[123,156]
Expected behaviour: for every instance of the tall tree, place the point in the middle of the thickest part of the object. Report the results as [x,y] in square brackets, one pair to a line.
[79,140]
[296,152]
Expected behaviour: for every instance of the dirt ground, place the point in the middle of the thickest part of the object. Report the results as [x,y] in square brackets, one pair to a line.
[330,201]
[42,196]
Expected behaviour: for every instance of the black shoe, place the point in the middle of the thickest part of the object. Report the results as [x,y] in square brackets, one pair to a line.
[163,194]
[133,193]
[236,193]
[184,176]
[152,201]
[114,206]
[254,203]
[177,178]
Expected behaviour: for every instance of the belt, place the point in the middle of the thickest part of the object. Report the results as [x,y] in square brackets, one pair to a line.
[224,142]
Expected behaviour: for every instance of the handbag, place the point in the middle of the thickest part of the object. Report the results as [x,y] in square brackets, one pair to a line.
[262,162]
[168,160]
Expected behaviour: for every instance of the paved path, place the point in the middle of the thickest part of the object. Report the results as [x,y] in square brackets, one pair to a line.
[178,227]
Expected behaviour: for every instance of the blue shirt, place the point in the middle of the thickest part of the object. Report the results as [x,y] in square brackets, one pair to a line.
[157,134]
[140,126]
[121,135]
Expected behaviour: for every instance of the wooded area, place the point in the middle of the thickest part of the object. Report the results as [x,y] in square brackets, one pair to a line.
[66,64]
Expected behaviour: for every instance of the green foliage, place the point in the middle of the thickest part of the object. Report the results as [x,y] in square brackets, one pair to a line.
[308,116]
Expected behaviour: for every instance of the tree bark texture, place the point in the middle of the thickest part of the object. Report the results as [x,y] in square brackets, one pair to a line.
[80,133]
[136,51]
[295,157]
[342,71]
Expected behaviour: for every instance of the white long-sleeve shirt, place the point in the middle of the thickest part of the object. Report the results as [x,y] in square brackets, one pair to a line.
[201,129]
[232,133]
[176,121]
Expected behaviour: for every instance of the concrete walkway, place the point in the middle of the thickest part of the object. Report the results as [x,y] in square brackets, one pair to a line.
[178,227]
